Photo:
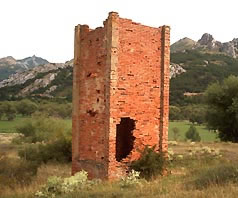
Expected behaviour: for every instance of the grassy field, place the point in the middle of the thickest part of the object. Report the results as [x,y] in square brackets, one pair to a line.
[204,169]
[10,126]
[183,126]
[198,176]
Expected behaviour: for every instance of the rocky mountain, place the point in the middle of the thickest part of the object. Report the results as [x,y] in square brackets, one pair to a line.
[9,65]
[41,80]
[194,65]
[207,44]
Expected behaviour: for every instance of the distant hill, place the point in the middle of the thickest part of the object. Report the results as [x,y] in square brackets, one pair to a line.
[183,44]
[49,80]
[207,44]
[194,65]
[9,65]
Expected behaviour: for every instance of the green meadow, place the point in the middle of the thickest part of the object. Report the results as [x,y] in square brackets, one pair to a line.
[183,126]
[10,126]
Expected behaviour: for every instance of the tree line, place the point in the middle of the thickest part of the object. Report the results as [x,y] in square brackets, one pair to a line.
[10,109]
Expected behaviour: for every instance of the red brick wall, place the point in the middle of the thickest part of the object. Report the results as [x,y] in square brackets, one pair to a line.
[89,138]
[121,71]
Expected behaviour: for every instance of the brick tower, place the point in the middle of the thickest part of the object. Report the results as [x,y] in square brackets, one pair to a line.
[120,95]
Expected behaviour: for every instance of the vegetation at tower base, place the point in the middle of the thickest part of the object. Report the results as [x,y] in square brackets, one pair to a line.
[150,164]
[222,111]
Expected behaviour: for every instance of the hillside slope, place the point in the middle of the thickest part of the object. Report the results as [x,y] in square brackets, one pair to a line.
[49,80]
[202,69]
[192,69]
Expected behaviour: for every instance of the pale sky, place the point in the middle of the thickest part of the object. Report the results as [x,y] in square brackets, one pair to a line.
[46,27]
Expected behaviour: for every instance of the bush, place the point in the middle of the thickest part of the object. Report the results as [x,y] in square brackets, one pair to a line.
[56,186]
[52,140]
[176,133]
[219,176]
[192,134]
[59,150]
[41,127]
[130,180]
[150,163]
[15,171]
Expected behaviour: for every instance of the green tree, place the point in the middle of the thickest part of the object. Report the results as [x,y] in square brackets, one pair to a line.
[174,113]
[194,113]
[26,107]
[192,134]
[222,114]
[8,110]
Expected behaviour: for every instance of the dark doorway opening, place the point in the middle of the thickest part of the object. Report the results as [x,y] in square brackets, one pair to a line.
[124,138]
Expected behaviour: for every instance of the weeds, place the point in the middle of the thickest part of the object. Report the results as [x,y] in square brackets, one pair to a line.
[218,175]
[15,171]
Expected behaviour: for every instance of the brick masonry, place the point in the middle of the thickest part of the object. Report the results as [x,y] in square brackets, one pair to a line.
[120,95]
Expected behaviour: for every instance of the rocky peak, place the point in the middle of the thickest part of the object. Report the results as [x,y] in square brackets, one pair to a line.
[205,39]
[9,65]
[33,61]
[209,42]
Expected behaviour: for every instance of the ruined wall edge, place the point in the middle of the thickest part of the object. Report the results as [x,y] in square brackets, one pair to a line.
[75,113]
[164,107]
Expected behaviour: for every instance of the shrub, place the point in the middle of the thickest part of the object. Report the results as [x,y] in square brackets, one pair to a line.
[219,175]
[56,186]
[15,171]
[176,133]
[59,150]
[53,140]
[150,163]
[205,151]
[170,154]
[41,127]
[130,180]
[192,134]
